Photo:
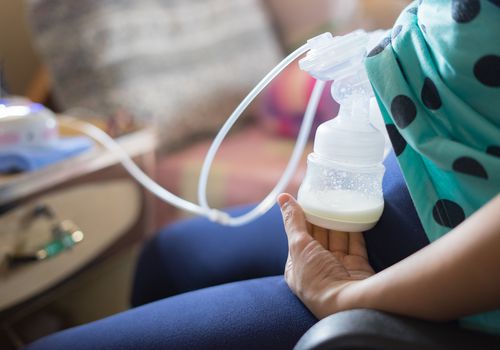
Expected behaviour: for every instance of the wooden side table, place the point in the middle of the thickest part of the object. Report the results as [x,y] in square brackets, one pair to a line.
[92,190]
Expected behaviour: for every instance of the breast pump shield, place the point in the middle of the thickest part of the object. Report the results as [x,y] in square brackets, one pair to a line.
[342,189]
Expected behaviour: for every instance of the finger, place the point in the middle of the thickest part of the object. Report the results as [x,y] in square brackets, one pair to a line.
[357,245]
[295,224]
[339,242]
[289,278]
[309,227]
[321,235]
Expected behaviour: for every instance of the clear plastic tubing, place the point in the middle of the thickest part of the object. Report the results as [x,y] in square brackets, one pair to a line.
[270,199]
[108,142]
[203,208]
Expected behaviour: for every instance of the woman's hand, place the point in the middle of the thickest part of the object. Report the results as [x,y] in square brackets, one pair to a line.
[455,276]
[321,270]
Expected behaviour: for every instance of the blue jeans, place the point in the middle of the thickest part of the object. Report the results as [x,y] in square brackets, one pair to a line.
[199,285]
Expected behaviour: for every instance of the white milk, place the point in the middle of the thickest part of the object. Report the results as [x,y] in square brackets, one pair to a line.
[341,210]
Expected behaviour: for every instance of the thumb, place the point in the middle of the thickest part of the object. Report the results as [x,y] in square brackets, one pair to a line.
[295,223]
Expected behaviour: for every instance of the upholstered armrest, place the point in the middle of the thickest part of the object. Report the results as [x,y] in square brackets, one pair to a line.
[373,330]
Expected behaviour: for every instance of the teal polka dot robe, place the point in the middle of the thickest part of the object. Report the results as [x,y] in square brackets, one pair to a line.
[436,77]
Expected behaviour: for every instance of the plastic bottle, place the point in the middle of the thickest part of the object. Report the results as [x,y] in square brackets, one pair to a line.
[342,189]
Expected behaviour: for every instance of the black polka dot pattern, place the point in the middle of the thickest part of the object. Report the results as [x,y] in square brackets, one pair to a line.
[463,11]
[448,213]
[398,142]
[487,70]
[395,31]
[380,47]
[403,111]
[493,150]
[469,166]
[430,95]
[413,10]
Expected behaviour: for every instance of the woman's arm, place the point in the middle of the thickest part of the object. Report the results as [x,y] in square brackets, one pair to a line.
[456,275]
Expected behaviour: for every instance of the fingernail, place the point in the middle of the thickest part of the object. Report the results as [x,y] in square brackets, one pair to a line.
[283,200]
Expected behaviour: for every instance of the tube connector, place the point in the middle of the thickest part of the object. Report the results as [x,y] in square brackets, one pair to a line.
[219,216]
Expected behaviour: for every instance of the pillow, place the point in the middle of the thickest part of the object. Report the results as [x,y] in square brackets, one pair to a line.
[284,103]
[182,64]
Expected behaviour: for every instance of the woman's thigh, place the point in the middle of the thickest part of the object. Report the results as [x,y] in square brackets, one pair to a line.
[196,253]
[253,314]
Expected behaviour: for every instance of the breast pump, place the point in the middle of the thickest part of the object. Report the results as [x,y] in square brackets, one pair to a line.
[342,189]
[342,186]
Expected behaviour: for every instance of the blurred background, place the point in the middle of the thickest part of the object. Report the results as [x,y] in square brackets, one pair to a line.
[178,68]
[292,22]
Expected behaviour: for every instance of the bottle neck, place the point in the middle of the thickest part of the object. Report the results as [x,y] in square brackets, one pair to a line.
[317,159]
[354,113]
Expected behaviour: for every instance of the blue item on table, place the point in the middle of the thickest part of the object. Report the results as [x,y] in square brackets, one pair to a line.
[26,158]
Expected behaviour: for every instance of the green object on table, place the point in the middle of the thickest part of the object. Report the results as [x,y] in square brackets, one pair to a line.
[66,236]
[57,246]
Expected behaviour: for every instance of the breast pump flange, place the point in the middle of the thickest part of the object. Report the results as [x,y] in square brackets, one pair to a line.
[342,189]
